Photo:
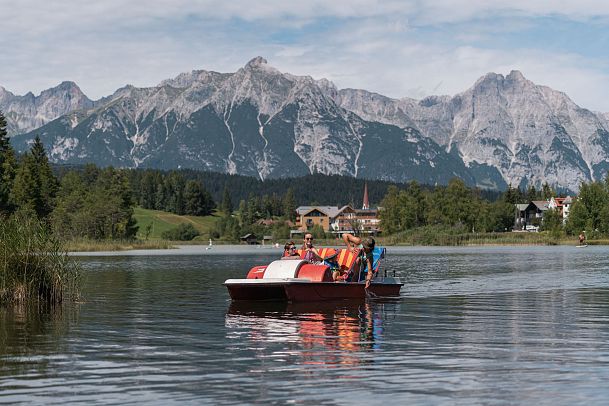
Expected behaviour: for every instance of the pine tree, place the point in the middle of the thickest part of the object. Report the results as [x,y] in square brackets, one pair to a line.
[227,204]
[267,207]
[532,193]
[513,196]
[67,218]
[25,193]
[46,181]
[289,205]
[243,213]
[147,190]
[196,199]
[35,186]
[7,168]
[547,192]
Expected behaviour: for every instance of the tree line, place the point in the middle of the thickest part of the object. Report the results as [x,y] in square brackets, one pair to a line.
[454,205]
[170,191]
[259,215]
[459,208]
[88,203]
[313,189]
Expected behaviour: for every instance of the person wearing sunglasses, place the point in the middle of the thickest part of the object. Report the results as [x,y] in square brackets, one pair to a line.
[289,251]
[311,253]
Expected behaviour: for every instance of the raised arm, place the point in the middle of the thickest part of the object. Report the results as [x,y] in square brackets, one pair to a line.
[351,241]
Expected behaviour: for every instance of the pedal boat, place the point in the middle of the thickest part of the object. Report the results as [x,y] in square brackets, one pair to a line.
[296,280]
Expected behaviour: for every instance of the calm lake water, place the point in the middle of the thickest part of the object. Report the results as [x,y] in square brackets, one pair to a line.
[507,325]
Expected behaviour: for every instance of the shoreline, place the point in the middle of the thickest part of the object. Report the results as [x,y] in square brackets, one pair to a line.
[237,249]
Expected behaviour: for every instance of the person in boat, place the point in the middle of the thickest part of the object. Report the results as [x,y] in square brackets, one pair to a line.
[289,251]
[363,249]
[582,238]
[310,252]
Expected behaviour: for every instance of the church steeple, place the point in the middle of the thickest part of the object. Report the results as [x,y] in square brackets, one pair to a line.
[366,204]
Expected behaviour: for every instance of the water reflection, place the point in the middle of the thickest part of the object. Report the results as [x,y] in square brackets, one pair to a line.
[30,333]
[499,325]
[332,333]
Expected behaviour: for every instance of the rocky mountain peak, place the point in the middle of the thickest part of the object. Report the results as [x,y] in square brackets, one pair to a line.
[256,62]
[328,88]
[187,79]
[490,77]
[516,76]
[263,122]
[29,112]
[67,85]
[4,94]
[68,88]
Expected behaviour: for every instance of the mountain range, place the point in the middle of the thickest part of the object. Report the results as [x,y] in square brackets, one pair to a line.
[261,122]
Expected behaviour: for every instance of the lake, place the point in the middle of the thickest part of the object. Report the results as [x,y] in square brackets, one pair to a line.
[483,325]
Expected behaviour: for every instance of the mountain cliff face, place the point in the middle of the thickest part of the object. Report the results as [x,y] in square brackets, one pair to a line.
[26,113]
[503,128]
[261,122]
[256,121]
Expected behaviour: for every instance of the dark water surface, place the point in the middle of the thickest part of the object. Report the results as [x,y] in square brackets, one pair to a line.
[526,325]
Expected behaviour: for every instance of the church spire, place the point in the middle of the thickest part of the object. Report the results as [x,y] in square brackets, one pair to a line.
[366,204]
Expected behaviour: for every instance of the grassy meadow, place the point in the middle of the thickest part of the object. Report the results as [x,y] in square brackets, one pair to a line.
[161,221]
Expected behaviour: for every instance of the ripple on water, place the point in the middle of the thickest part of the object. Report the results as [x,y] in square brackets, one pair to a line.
[476,325]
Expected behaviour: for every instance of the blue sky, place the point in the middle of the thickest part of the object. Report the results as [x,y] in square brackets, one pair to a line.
[409,48]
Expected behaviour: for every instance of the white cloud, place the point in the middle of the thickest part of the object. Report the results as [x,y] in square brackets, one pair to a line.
[398,48]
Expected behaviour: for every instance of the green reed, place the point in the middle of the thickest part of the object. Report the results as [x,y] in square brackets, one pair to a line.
[34,263]
[83,244]
[442,236]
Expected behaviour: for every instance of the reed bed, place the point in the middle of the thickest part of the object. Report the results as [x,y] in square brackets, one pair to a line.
[34,264]
[442,237]
[116,245]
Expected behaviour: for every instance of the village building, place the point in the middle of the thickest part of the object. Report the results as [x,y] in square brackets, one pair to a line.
[335,220]
[563,205]
[309,216]
[528,216]
[249,239]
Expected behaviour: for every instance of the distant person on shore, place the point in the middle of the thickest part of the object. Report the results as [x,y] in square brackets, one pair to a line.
[289,251]
[582,238]
[363,249]
[311,253]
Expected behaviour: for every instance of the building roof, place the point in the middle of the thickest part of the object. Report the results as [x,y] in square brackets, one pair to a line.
[366,212]
[522,206]
[334,211]
[330,211]
[541,204]
[345,207]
